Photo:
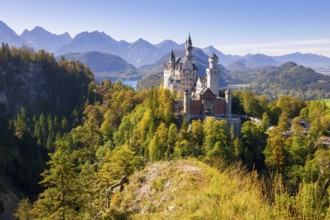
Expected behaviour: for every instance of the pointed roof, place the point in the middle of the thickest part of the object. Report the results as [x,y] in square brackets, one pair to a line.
[207,93]
[214,55]
[172,54]
[188,41]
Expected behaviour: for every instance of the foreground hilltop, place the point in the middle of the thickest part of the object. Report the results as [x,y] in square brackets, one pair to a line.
[190,189]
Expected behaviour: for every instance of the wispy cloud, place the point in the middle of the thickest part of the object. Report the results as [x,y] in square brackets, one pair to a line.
[316,46]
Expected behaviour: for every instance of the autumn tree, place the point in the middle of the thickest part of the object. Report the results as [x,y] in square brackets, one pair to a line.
[59,200]
[275,150]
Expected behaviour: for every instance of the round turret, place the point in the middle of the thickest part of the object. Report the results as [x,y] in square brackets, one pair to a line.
[213,61]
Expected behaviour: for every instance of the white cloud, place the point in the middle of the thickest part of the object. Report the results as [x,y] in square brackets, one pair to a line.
[316,46]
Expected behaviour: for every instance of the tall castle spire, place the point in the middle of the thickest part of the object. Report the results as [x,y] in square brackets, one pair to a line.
[189,48]
[172,59]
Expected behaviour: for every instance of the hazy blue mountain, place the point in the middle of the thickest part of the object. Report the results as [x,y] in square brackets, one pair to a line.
[105,65]
[223,59]
[234,57]
[123,44]
[167,45]
[142,52]
[7,35]
[237,66]
[252,61]
[259,60]
[139,53]
[304,59]
[89,41]
[39,38]
[319,63]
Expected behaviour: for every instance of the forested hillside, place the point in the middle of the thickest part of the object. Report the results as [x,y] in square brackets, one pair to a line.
[294,80]
[40,100]
[105,65]
[102,146]
[287,79]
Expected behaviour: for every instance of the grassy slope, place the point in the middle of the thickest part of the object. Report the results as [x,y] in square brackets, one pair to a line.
[188,189]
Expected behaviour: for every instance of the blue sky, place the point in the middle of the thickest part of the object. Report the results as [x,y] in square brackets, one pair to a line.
[272,27]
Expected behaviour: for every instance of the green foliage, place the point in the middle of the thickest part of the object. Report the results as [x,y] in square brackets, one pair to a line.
[275,150]
[59,200]
[110,130]
[253,145]
[23,211]
[296,81]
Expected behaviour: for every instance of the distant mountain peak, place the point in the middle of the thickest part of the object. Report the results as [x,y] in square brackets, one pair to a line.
[288,65]
[93,34]
[9,36]
[40,38]
[65,34]
[141,40]
[3,24]
[5,27]
[38,28]
[210,47]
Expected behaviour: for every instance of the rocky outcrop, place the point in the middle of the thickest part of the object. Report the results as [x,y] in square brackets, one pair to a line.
[8,205]
[24,86]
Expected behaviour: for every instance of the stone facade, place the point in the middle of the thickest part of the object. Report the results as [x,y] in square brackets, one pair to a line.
[180,73]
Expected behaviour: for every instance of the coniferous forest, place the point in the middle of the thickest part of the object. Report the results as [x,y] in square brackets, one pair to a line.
[89,150]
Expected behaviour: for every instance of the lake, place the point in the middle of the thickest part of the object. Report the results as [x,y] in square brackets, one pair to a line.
[130,83]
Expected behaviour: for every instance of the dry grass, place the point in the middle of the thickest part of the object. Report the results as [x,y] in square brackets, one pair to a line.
[327,101]
[189,189]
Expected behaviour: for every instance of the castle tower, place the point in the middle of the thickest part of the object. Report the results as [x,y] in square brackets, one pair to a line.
[172,60]
[169,70]
[228,99]
[189,48]
[186,104]
[213,74]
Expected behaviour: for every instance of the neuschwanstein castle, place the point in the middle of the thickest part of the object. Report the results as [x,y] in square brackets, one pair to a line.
[200,94]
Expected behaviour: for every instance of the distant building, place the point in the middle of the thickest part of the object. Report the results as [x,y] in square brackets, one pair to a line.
[200,94]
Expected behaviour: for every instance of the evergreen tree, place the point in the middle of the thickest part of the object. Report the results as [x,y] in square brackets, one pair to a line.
[59,200]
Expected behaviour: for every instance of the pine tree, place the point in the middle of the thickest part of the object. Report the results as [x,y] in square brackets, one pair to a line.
[23,211]
[59,200]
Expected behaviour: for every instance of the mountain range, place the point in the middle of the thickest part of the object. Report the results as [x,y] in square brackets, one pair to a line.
[141,52]
[39,38]
[105,65]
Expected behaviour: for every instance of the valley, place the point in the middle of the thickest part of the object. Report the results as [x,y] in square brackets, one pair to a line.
[164,110]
